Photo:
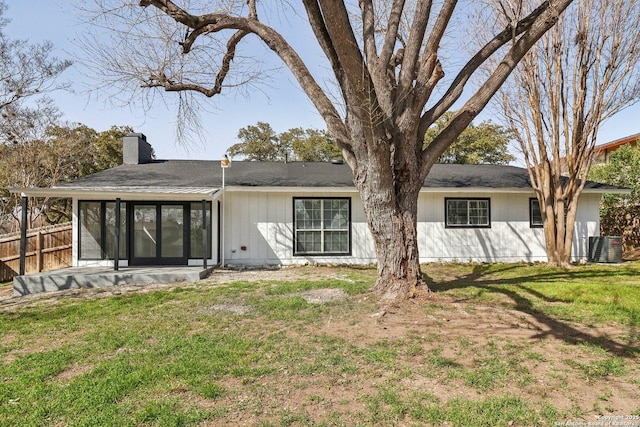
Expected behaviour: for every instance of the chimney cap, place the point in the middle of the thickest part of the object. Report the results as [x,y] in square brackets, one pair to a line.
[138,135]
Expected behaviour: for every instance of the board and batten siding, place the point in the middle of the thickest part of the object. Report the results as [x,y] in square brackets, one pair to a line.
[259,230]
[262,223]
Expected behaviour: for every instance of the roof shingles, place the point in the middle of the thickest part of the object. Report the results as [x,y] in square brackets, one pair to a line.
[208,173]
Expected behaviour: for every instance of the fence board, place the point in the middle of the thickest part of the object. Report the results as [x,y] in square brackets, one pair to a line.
[48,248]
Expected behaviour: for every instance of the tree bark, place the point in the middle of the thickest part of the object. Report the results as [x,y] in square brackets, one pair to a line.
[391,207]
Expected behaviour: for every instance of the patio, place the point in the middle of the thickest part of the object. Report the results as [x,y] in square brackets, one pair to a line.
[94,277]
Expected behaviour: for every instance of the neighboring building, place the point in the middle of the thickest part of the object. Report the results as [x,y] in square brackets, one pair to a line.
[602,152]
[266,213]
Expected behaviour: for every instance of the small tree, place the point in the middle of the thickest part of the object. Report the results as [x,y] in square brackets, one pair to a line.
[486,143]
[260,142]
[579,74]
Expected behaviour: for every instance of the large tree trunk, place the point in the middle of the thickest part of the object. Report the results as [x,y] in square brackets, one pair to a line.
[396,240]
[391,207]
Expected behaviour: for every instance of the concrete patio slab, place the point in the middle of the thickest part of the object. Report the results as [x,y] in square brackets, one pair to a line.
[95,277]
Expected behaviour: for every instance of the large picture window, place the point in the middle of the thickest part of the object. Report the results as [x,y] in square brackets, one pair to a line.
[535,215]
[467,213]
[322,226]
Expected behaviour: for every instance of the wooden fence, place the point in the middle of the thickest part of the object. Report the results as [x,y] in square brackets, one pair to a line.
[48,248]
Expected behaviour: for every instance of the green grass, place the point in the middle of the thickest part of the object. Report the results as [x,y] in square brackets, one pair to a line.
[170,358]
[587,293]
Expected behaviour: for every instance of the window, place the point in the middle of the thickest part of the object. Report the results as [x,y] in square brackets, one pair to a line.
[97,236]
[467,213]
[91,230]
[196,229]
[322,226]
[535,215]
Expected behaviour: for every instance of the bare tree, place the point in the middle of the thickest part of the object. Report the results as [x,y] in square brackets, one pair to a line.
[386,62]
[580,73]
[26,69]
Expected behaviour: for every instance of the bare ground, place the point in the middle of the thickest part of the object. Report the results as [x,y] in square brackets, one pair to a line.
[440,321]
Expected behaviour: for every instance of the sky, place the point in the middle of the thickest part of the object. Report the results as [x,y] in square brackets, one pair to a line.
[283,104]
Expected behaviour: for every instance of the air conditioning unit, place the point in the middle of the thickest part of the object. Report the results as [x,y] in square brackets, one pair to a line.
[605,249]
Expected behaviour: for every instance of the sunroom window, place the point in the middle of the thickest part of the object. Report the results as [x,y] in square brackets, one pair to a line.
[97,224]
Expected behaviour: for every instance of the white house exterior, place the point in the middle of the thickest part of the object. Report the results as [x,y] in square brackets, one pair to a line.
[268,213]
[259,228]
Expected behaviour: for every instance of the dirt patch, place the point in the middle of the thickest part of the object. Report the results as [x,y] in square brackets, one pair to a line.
[231,308]
[323,296]
[73,372]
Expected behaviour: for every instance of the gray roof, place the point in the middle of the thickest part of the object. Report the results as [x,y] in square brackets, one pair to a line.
[208,173]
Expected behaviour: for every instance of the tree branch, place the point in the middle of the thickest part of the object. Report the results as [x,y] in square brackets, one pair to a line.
[408,69]
[531,28]
[368,31]
[430,71]
[458,84]
[391,36]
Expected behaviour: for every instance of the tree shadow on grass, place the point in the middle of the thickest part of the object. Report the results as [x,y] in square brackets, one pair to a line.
[519,290]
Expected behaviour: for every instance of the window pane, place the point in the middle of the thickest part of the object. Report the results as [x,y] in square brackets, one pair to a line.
[308,242]
[144,232]
[535,213]
[336,241]
[478,212]
[336,214]
[172,245]
[110,237]
[457,212]
[308,214]
[90,230]
[196,230]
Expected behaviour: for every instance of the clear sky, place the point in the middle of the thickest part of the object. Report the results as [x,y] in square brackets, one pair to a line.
[283,104]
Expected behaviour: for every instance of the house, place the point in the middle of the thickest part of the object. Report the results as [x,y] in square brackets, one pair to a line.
[602,152]
[194,212]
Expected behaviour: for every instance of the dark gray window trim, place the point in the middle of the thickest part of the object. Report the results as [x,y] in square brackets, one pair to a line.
[305,254]
[532,201]
[446,208]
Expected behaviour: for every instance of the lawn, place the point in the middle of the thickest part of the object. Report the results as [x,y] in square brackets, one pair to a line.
[493,345]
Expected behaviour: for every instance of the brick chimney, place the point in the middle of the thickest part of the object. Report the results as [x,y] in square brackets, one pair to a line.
[136,150]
